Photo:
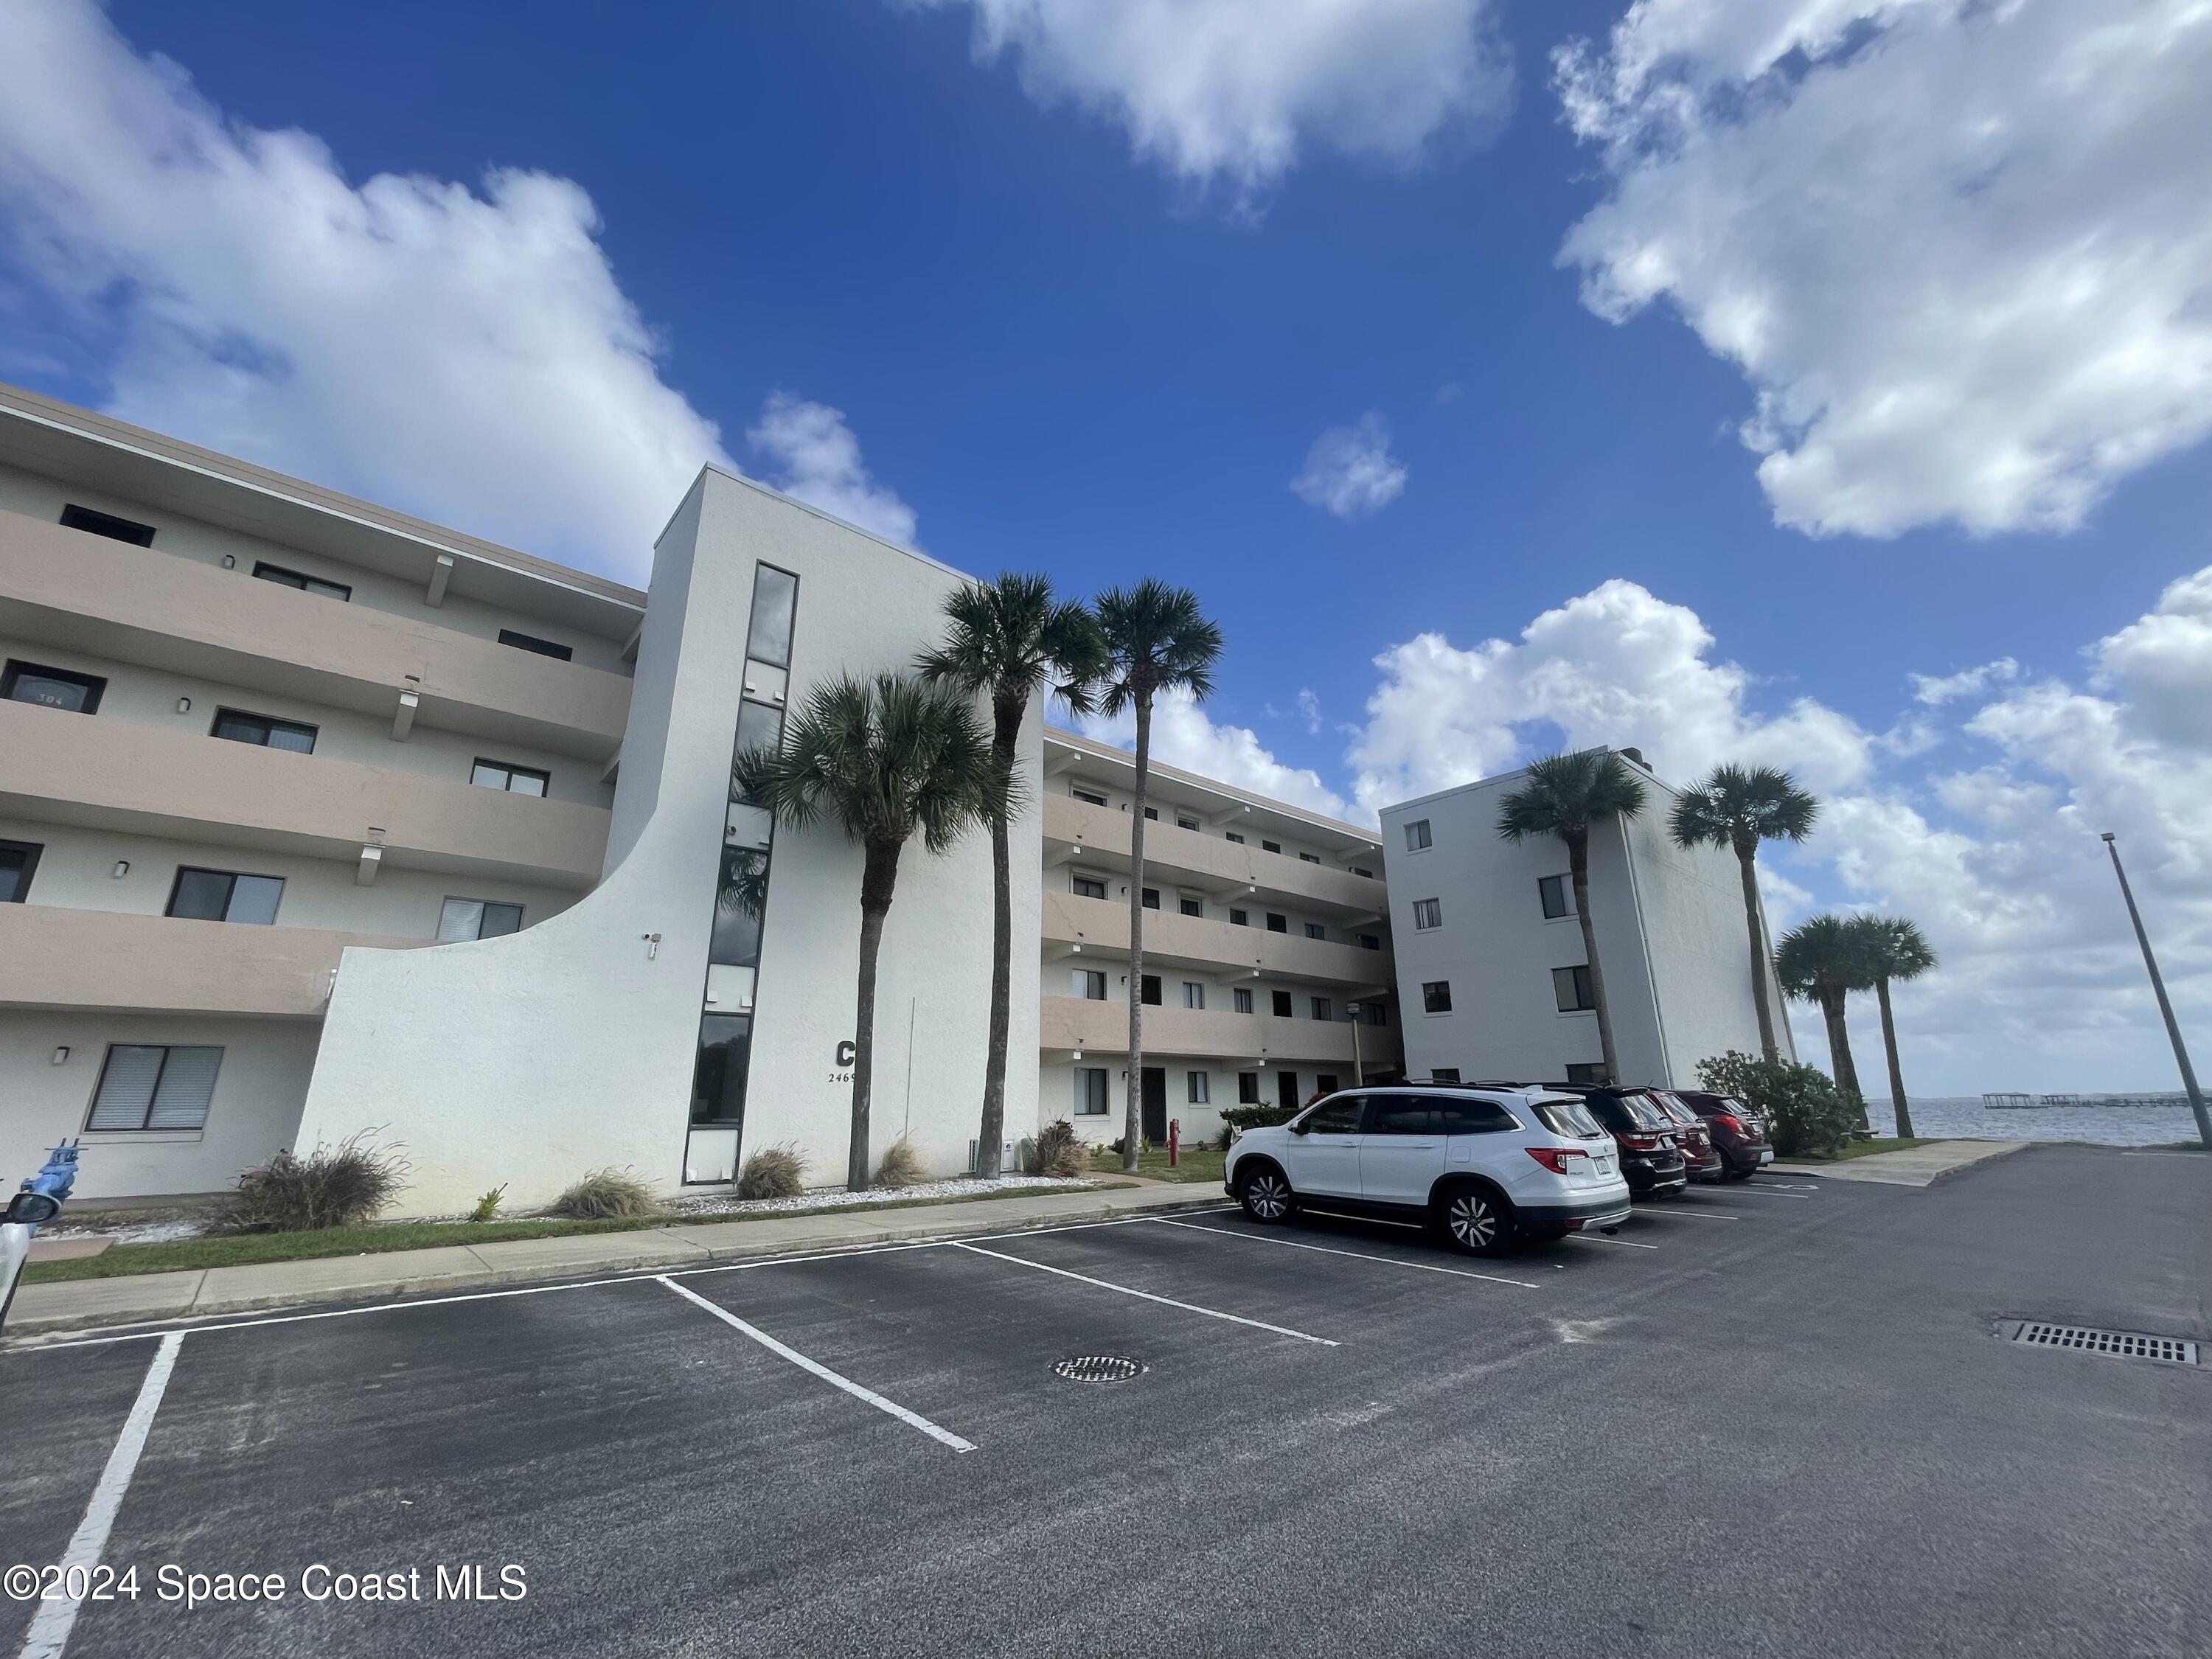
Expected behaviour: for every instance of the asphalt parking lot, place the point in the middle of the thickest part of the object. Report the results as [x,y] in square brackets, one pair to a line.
[1764,1420]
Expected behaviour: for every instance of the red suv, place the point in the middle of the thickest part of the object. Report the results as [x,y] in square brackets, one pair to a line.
[1739,1134]
[1702,1158]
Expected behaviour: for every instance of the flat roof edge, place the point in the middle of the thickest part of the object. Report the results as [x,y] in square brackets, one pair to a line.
[1108,750]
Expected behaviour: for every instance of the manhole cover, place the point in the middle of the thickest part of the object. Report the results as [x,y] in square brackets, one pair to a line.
[1097,1368]
[2085,1339]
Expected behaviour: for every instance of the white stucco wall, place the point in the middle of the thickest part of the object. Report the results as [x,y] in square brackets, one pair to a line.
[532,1059]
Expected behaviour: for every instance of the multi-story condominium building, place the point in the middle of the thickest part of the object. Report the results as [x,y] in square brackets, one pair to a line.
[1493,977]
[1267,957]
[317,819]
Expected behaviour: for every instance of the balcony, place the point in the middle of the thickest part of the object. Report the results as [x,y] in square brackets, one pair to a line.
[1250,1041]
[55,958]
[1101,927]
[1189,858]
[138,605]
[108,774]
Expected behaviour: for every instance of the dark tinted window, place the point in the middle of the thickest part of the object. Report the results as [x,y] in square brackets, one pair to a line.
[106,524]
[1610,1111]
[276,573]
[1558,896]
[1400,1115]
[1570,1118]
[260,729]
[19,862]
[1473,1117]
[1436,996]
[1152,898]
[224,895]
[1280,1000]
[532,642]
[51,688]
[1339,1115]
[1646,1112]
[1148,991]
[1278,924]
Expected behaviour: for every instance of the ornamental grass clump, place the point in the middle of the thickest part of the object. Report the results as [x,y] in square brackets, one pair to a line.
[340,1186]
[606,1195]
[900,1166]
[1059,1152]
[773,1172]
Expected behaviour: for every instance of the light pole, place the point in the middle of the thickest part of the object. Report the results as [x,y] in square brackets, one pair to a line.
[1359,1072]
[2165,1007]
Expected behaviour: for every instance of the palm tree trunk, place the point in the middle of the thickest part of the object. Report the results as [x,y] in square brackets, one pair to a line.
[1896,1073]
[1578,870]
[1133,1125]
[1744,859]
[879,875]
[991,1136]
[1839,1050]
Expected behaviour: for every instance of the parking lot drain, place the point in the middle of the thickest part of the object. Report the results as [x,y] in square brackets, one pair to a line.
[2084,1339]
[1097,1368]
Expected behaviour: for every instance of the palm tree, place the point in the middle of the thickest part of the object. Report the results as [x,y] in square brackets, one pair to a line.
[1895,949]
[1823,961]
[1157,639]
[1738,807]
[1007,640]
[1564,796]
[884,760]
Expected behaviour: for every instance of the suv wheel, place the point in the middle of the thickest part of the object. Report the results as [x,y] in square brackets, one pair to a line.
[1265,1195]
[1476,1221]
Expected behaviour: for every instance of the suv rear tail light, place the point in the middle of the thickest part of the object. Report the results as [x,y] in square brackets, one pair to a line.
[1639,1143]
[1560,1160]
[1728,1121]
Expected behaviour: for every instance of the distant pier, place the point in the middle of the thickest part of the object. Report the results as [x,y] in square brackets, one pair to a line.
[2016,1103]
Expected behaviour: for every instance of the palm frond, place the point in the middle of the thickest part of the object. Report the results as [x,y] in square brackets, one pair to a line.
[1739,806]
[1894,948]
[1565,795]
[1157,638]
[1825,956]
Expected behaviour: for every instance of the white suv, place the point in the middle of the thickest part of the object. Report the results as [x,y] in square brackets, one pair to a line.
[1484,1165]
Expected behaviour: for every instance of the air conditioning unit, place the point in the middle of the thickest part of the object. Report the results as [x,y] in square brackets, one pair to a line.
[1009,1157]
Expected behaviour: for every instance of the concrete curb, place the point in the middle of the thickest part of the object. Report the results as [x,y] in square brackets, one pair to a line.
[1920,1166]
[87,1305]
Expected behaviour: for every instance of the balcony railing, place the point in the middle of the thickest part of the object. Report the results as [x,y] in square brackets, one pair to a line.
[1080,1025]
[1101,926]
[1191,858]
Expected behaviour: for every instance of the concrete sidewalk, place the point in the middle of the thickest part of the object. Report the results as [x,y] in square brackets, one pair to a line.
[139,1298]
[1916,1166]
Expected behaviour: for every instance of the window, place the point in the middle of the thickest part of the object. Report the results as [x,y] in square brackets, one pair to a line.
[1315,929]
[1148,990]
[1356,871]
[760,725]
[1184,821]
[148,1087]
[1271,847]
[1241,997]
[1234,836]
[1376,1012]
[466,918]
[1195,1088]
[515,780]
[1087,797]
[1401,1114]
[51,688]
[522,641]
[1090,887]
[1088,983]
[1240,918]
[1427,914]
[1558,895]
[719,1069]
[740,901]
[775,596]
[1308,858]
[1371,941]
[263,571]
[1152,898]
[1339,1116]
[106,524]
[1152,815]
[1326,1083]
[1445,1075]
[1280,1002]
[1090,1091]
[1320,1008]
[1436,996]
[1570,1118]
[1586,1071]
[1473,1117]
[1194,994]
[224,896]
[1417,835]
[1278,924]
[1572,989]
[1248,1088]
[230,724]
[1190,906]
[19,862]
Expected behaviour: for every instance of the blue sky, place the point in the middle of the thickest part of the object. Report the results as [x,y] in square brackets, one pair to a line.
[1076,313]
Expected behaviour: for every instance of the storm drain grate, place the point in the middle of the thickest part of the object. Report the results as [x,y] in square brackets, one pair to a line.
[1097,1368]
[2084,1339]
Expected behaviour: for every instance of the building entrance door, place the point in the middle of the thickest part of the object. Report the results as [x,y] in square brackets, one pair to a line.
[1286,1088]
[1156,1105]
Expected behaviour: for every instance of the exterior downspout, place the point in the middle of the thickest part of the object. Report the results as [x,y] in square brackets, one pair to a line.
[1666,1079]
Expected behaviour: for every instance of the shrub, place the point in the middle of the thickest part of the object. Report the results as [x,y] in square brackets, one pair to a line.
[1240,1118]
[900,1166]
[340,1186]
[1059,1152]
[487,1205]
[1806,1112]
[774,1172]
[605,1194]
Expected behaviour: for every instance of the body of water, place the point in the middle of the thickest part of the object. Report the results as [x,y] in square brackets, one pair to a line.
[1967,1117]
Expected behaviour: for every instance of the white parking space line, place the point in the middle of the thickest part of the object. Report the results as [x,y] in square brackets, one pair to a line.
[913,1419]
[1165,1301]
[50,1630]
[1357,1255]
[1769,1192]
[1671,1212]
[1595,1238]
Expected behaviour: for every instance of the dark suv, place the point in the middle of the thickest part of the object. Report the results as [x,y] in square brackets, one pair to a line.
[1739,1134]
[1702,1158]
[1649,1139]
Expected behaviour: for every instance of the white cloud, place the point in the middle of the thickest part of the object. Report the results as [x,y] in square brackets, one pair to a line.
[2164,661]
[1349,471]
[816,457]
[1233,89]
[1966,682]
[1961,251]
[1309,709]
[468,356]
[1183,736]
